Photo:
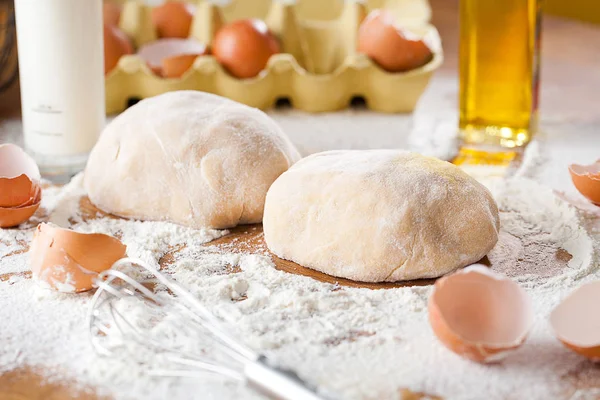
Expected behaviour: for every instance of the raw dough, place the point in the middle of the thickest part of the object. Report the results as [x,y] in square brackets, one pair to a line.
[188,157]
[379,215]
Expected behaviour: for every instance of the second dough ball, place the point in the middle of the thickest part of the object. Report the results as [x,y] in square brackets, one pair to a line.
[379,215]
[190,158]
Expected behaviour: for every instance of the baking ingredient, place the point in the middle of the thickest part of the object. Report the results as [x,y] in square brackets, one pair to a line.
[586,179]
[68,261]
[510,117]
[20,191]
[206,161]
[116,45]
[354,343]
[61,77]
[423,217]
[111,13]
[394,49]
[576,322]
[244,47]
[171,58]
[479,314]
[173,19]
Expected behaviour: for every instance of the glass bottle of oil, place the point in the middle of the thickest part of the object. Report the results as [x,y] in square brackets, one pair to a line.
[499,71]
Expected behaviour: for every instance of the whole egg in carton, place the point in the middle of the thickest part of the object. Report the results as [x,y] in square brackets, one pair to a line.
[318,69]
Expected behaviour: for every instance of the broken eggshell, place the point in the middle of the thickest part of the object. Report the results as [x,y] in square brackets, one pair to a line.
[10,217]
[69,261]
[479,314]
[391,47]
[171,58]
[20,190]
[577,324]
[586,179]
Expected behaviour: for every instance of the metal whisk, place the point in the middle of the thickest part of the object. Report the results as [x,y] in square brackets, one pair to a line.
[116,329]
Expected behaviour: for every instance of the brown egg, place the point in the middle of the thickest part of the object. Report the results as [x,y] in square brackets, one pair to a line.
[173,19]
[116,45]
[171,58]
[20,190]
[111,13]
[576,321]
[69,261]
[478,314]
[388,45]
[586,179]
[244,47]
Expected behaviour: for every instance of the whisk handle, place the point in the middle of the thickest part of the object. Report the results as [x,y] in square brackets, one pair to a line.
[277,383]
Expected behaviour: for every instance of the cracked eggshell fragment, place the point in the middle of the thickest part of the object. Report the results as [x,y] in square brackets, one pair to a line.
[10,217]
[586,179]
[393,48]
[479,314]
[171,58]
[68,261]
[576,321]
[20,190]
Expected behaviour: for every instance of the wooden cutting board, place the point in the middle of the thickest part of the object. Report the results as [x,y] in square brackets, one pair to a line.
[250,239]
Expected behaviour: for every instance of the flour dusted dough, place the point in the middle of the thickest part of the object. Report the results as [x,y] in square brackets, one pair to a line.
[379,215]
[188,157]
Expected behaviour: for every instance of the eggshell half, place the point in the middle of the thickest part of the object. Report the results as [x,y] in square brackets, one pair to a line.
[28,204]
[68,261]
[480,315]
[35,196]
[576,321]
[10,217]
[171,58]
[16,192]
[20,191]
[394,49]
[586,179]
[15,162]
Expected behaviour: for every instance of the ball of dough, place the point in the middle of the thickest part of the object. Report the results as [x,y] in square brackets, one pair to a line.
[379,215]
[190,158]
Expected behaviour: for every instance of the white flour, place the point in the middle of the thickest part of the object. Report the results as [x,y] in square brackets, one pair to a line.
[353,343]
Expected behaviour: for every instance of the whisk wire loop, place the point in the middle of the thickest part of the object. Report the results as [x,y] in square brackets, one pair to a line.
[172,313]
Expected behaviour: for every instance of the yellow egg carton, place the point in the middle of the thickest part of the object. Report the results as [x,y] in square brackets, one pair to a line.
[318,70]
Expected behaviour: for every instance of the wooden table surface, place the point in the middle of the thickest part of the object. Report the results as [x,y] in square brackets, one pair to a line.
[569,100]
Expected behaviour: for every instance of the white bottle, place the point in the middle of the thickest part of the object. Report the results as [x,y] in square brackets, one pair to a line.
[61,63]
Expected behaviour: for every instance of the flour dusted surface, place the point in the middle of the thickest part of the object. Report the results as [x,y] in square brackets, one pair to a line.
[354,343]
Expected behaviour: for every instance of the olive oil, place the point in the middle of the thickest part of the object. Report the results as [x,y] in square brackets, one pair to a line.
[499,71]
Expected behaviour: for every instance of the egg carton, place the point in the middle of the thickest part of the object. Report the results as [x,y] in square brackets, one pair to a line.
[318,70]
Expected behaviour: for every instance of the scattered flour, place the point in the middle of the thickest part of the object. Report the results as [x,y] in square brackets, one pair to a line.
[353,343]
